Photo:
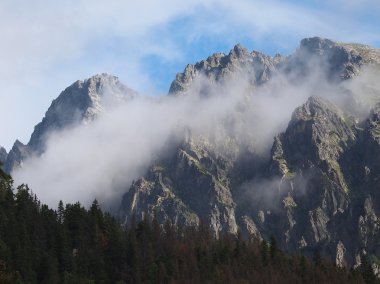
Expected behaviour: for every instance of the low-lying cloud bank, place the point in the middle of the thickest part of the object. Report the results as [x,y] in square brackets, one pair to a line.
[101,159]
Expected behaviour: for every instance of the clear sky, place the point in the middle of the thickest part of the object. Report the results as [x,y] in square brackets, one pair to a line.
[46,45]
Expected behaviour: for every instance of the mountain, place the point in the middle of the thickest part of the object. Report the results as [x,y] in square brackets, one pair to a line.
[340,60]
[77,245]
[16,156]
[255,66]
[336,60]
[316,189]
[81,102]
[313,187]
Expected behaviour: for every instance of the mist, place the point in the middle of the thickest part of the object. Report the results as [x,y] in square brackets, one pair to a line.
[101,159]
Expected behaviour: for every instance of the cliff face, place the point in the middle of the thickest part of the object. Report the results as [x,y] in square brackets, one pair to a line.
[317,189]
[310,158]
[16,156]
[330,169]
[255,66]
[80,103]
[189,185]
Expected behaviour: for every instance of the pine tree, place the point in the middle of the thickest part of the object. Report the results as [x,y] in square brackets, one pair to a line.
[367,271]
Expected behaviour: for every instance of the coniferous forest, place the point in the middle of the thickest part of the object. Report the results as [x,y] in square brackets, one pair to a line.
[77,245]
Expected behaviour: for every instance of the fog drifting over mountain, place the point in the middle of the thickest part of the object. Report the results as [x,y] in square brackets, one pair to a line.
[101,159]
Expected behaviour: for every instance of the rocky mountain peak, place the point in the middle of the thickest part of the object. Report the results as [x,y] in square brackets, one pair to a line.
[316,107]
[16,156]
[18,144]
[80,102]
[316,45]
[239,51]
[318,189]
[102,85]
[337,60]
[321,127]
[220,67]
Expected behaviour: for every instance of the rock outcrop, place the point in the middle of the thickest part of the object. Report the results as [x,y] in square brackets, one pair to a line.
[3,155]
[81,102]
[16,156]
[337,61]
[318,189]
[186,187]
[220,68]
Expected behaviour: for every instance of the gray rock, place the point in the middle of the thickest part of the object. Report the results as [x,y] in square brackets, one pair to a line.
[337,60]
[16,156]
[324,135]
[153,199]
[340,255]
[318,222]
[250,228]
[220,67]
[196,178]
[3,155]
[323,170]
[80,103]
[318,188]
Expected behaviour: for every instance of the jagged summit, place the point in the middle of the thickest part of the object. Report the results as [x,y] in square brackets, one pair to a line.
[316,45]
[339,61]
[239,51]
[16,156]
[318,132]
[336,61]
[316,107]
[82,101]
[219,67]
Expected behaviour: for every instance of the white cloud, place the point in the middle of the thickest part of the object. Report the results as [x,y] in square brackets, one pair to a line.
[100,159]
[46,45]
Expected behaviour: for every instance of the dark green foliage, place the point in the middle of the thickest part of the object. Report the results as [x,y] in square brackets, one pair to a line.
[366,271]
[76,245]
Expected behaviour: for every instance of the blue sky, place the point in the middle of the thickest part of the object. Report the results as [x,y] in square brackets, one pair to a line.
[47,45]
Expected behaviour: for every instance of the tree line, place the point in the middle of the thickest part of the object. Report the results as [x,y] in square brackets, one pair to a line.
[73,244]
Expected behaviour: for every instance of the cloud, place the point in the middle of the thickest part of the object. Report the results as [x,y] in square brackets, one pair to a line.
[101,159]
[46,45]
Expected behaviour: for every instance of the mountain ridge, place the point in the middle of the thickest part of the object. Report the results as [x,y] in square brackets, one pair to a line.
[313,190]
[81,102]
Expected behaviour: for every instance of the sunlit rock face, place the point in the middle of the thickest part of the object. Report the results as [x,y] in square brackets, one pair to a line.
[317,187]
[79,103]
[257,67]
[82,102]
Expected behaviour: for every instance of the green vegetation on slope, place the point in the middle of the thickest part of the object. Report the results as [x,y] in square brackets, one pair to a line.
[76,245]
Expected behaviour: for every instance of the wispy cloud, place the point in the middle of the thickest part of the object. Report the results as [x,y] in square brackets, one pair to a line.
[101,159]
[46,45]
